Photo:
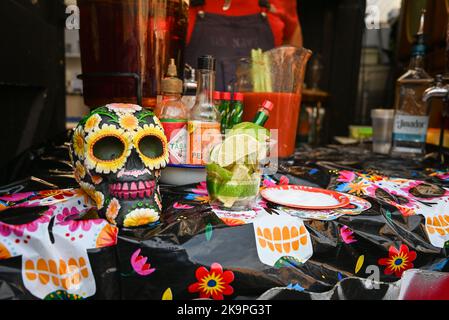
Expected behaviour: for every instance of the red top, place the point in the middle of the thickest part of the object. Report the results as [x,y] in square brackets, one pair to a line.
[283,22]
[238,96]
[226,96]
[268,105]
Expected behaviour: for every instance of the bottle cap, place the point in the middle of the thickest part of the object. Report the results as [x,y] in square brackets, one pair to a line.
[171,84]
[217,95]
[226,96]
[268,105]
[238,96]
[206,63]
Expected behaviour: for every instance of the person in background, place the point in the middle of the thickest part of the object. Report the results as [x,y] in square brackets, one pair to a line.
[230,29]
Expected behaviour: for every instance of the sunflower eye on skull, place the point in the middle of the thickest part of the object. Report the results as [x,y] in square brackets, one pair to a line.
[124,147]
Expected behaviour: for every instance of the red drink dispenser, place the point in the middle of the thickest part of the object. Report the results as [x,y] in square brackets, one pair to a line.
[126,45]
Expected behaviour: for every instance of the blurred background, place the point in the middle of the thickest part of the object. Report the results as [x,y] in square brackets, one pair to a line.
[353,69]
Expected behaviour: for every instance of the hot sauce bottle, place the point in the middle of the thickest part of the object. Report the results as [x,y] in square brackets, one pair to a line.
[174,115]
[263,114]
[204,124]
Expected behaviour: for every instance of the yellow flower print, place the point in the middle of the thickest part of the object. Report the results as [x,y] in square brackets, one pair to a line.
[107,166]
[97,180]
[158,122]
[79,143]
[95,195]
[140,217]
[92,123]
[128,121]
[159,161]
[113,210]
[357,188]
[80,171]
[121,108]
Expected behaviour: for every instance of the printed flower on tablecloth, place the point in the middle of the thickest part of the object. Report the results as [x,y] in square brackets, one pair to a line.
[347,235]
[18,230]
[346,176]
[199,194]
[180,206]
[140,265]
[17,197]
[64,220]
[268,183]
[214,283]
[358,187]
[371,177]
[398,261]
[442,175]
[283,181]
[404,210]
[55,194]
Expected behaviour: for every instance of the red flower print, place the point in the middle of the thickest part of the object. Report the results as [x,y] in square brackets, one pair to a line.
[140,265]
[398,261]
[214,283]
[284,181]
[268,183]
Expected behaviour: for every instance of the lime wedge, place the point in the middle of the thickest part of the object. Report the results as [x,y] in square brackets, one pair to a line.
[240,173]
[214,153]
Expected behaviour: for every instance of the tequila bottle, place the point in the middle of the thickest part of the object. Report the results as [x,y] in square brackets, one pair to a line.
[412,113]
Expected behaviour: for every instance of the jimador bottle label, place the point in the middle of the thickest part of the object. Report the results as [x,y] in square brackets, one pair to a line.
[203,136]
[409,133]
[177,135]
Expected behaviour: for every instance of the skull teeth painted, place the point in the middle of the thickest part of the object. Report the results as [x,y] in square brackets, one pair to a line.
[118,151]
[132,190]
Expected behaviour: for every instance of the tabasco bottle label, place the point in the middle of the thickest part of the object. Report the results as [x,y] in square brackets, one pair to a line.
[177,136]
[203,136]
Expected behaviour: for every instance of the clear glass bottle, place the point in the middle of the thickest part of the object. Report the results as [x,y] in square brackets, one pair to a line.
[174,116]
[204,123]
[412,113]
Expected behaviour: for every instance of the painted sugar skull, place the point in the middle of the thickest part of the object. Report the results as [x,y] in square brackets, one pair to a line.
[118,152]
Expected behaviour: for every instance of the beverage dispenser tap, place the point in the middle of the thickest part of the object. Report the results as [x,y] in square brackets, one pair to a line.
[439,91]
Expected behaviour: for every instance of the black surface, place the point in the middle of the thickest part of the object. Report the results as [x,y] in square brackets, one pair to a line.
[178,246]
[32,77]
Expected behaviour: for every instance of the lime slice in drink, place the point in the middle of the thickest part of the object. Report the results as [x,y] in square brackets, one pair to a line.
[236,148]
[260,133]
[214,153]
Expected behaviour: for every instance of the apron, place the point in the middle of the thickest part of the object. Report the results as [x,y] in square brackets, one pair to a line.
[228,39]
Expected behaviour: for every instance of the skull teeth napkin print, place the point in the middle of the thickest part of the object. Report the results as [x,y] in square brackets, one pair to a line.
[53,247]
[410,197]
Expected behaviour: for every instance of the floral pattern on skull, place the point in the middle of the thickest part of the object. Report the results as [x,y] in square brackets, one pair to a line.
[118,151]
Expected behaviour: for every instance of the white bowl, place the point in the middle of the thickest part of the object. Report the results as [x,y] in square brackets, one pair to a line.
[183,174]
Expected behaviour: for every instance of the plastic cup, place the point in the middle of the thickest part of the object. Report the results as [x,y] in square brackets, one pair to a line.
[382,130]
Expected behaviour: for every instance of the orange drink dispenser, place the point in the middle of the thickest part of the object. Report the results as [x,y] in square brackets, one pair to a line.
[276,75]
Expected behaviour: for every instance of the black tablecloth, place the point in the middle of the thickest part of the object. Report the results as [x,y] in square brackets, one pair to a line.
[192,239]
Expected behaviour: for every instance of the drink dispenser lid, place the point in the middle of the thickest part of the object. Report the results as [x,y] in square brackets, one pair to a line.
[207,63]
[172,84]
